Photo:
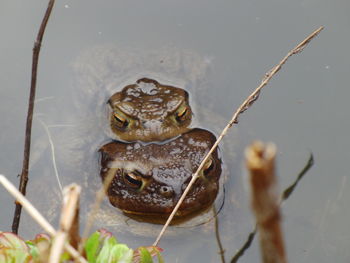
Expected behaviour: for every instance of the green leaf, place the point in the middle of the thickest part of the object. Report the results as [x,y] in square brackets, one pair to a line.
[39,247]
[14,255]
[104,255]
[11,240]
[33,249]
[98,246]
[112,252]
[121,253]
[13,248]
[111,241]
[145,255]
[91,247]
[153,251]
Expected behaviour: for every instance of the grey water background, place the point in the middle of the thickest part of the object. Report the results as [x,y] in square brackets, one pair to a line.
[302,110]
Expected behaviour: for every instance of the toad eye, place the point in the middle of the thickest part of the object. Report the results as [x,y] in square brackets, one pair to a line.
[133,179]
[208,167]
[182,113]
[120,121]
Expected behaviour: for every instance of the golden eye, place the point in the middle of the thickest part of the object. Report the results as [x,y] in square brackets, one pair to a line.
[120,120]
[133,179]
[181,114]
[208,167]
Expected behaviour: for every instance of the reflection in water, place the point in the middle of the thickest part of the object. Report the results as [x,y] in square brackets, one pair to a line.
[217,235]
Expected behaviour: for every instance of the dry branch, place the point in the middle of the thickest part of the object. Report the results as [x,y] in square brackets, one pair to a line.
[95,207]
[244,106]
[69,223]
[260,161]
[26,155]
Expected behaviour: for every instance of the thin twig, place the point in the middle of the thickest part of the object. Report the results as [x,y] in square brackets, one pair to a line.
[26,154]
[35,214]
[95,207]
[287,192]
[217,234]
[245,246]
[68,222]
[244,106]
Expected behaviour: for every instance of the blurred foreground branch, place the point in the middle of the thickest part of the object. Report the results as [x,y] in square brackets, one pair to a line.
[69,223]
[260,161]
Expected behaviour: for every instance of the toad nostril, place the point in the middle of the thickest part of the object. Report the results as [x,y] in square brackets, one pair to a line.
[152,123]
[166,191]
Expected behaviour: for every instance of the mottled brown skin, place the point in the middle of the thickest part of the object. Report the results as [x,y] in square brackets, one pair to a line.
[149,111]
[148,179]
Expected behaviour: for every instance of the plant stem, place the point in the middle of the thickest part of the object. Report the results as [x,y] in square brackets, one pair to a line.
[28,132]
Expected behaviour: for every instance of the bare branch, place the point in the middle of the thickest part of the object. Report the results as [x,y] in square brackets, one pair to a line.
[244,106]
[26,155]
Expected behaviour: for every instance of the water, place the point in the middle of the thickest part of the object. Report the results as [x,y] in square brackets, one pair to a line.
[302,110]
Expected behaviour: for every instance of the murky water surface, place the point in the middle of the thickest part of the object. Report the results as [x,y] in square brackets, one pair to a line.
[233,44]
